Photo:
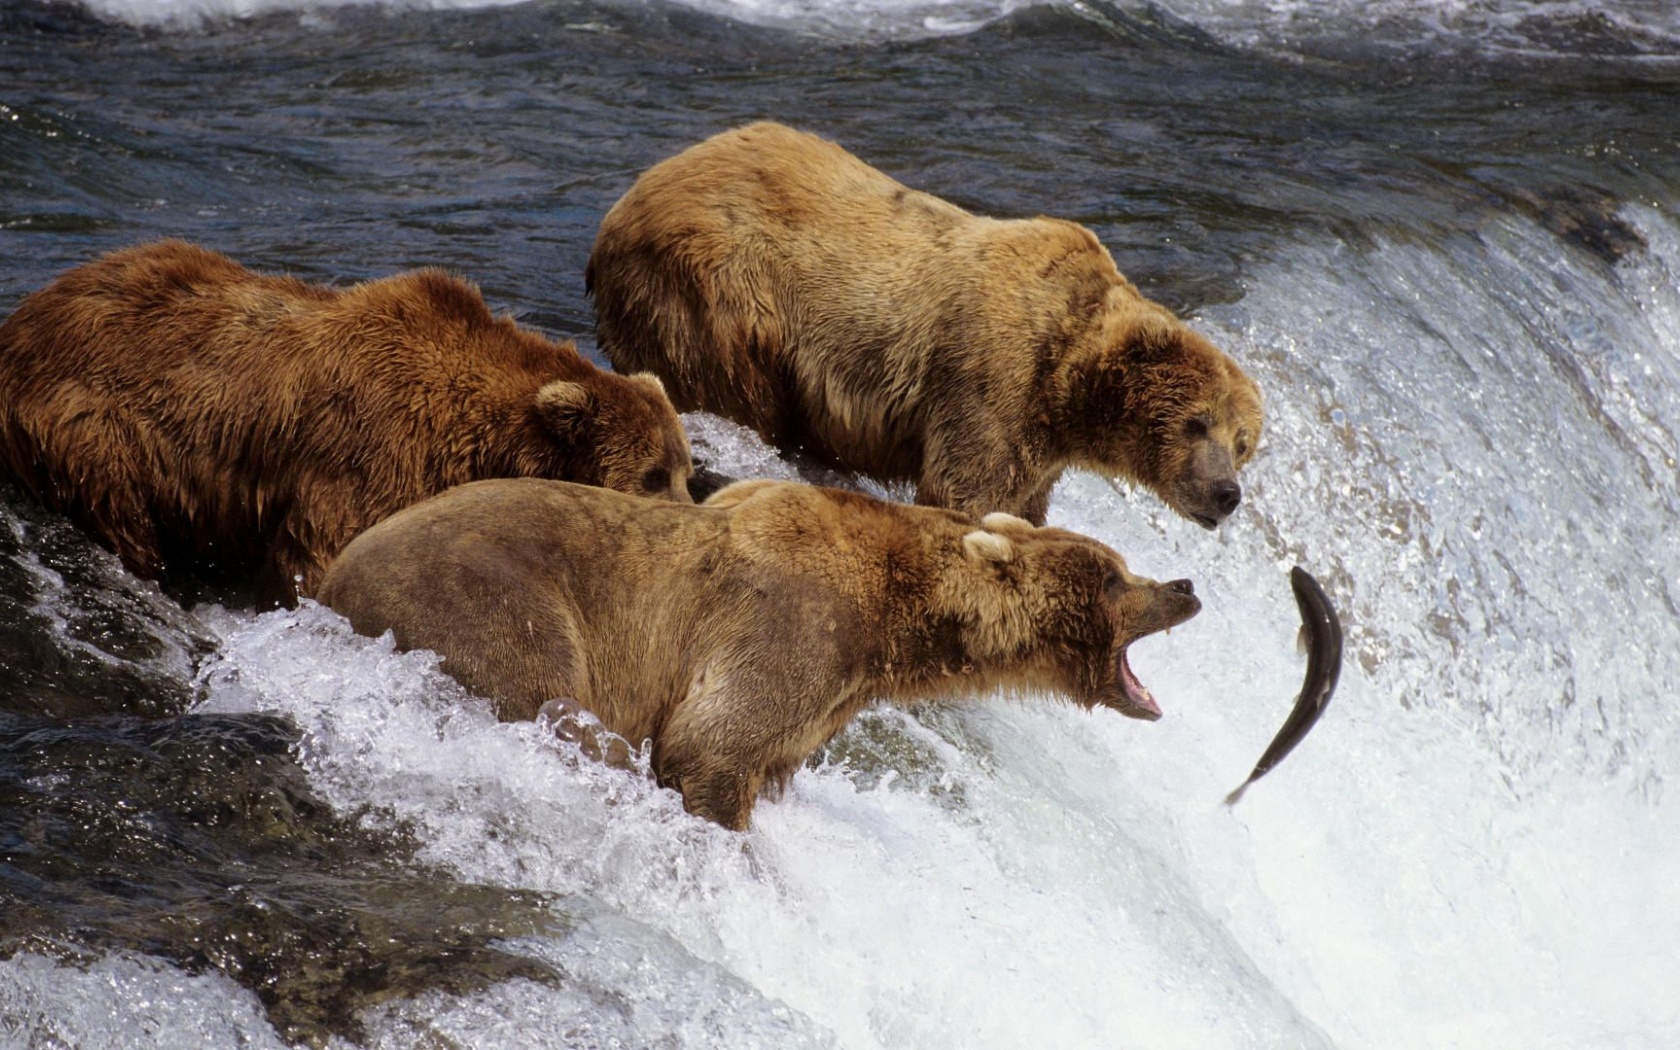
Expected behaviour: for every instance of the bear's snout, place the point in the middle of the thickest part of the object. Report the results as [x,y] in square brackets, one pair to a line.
[1207,491]
[1175,603]
[1208,504]
[1226,496]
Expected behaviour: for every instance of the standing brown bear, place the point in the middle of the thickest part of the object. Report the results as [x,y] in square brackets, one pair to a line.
[214,424]
[741,634]
[771,277]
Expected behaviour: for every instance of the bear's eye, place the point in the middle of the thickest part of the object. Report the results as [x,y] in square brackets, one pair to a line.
[1242,446]
[1197,427]
[656,480]
[1112,585]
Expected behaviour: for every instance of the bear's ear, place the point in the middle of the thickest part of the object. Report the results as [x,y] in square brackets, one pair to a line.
[648,379]
[1088,295]
[1153,344]
[739,491]
[566,407]
[998,521]
[984,546]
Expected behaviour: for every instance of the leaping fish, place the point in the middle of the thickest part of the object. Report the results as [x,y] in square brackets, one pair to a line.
[1323,632]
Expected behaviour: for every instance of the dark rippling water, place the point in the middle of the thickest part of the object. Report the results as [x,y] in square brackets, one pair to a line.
[1446,242]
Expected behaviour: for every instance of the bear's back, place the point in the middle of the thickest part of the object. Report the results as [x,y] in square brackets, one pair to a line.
[525,585]
[428,326]
[137,313]
[206,420]
[770,276]
[769,191]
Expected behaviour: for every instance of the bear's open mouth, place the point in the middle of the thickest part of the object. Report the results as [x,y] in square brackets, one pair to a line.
[1135,699]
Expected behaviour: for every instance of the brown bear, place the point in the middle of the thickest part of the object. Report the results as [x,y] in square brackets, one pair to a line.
[741,634]
[218,425]
[769,276]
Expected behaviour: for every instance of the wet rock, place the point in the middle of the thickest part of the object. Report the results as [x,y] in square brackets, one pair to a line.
[1584,217]
[198,840]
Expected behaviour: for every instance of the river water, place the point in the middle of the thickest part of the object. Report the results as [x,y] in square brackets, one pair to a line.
[1444,235]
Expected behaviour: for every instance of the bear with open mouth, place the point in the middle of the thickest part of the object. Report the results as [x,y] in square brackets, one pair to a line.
[741,634]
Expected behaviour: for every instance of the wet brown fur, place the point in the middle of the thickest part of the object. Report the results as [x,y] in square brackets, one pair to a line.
[741,634]
[771,277]
[208,421]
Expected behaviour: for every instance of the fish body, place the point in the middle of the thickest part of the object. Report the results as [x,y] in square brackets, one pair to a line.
[1322,630]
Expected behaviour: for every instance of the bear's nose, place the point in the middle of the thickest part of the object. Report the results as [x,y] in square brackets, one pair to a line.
[1181,586]
[1226,496]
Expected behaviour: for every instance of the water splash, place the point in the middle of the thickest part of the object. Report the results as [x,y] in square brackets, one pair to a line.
[1626,30]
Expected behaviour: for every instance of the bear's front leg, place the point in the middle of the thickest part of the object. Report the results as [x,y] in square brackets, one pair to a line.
[720,792]
[979,471]
[749,717]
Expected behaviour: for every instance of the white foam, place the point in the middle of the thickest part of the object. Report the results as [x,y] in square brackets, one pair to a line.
[844,19]
[1533,28]
[866,19]
[122,1001]
[191,14]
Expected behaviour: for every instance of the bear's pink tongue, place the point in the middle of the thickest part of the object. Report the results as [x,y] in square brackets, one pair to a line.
[1135,699]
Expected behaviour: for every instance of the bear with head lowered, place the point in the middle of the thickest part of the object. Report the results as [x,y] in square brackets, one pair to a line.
[214,424]
[769,276]
[741,634]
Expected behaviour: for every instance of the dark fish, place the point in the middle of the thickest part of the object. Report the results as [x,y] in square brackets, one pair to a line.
[1324,668]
